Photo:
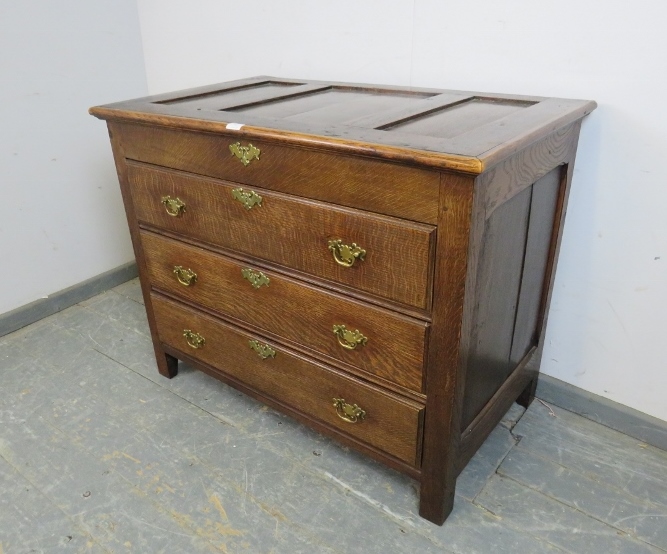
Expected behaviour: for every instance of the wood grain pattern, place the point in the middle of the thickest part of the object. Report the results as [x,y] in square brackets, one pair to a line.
[348,181]
[444,374]
[498,283]
[509,178]
[544,200]
[521,384]
[331,105]
[293,232]
[339,139]
[528,394]
[292,310]
[455,120]
[403,113]
[167,365]
[459,199]
[499,139]
[469,147]
[391,423]
[475,434]
[222,99]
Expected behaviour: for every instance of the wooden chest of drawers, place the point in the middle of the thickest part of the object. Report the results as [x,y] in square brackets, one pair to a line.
[374,261]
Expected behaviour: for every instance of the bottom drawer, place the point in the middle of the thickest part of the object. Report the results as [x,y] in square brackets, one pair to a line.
[388,422]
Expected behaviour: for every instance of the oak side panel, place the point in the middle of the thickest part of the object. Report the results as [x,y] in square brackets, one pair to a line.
[498,283]
[494,410]
[528,394]
[533,282]
[167,365]
[445,374]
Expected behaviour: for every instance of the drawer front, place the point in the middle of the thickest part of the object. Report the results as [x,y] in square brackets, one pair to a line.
[390,423]
[394,344]
[362,183]
[396,258]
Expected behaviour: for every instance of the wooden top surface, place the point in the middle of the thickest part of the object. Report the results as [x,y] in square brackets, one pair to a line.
[463,131]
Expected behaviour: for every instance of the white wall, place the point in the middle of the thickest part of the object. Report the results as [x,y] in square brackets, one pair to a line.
[609,313]
[61,219]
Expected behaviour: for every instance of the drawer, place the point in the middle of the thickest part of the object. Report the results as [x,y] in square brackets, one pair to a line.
[306,315]
[396,262]
[390,423]
[353,181]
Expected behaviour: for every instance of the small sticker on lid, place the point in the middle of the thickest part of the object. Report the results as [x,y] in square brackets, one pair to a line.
[234,126]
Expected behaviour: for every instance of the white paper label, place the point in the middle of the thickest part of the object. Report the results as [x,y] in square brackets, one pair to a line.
[234,126]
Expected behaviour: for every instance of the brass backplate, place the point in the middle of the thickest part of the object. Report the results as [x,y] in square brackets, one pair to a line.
[256,278]
[248,198]
[264,351]
[245,154]
[349,339]
[348,412]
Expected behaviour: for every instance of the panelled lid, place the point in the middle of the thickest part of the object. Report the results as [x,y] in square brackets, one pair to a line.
[465,131]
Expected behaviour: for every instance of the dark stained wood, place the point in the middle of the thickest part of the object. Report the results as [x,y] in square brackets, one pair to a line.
[444,376]
[498,282]
[500,138]
[293,232]
[248,94]
[342,437]
[292,310]
[452,121]
[167,365]
[512,176]
[331,105]
[263,264]
[475,434]
[471,149]
[339,139]
[391,423]
[544,199]
[403,113]
[461,197]
[522,382]
[349,181]
[528,394]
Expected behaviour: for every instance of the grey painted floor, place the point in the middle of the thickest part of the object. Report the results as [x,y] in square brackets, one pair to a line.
[99,453]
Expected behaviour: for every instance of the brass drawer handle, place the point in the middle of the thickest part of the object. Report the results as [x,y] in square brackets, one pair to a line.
[195,340]
[264,351]
[248,198]
[348,412]
[245,154]
[175,206]
[185,277]
[346,255]
[349,339]
[256,278]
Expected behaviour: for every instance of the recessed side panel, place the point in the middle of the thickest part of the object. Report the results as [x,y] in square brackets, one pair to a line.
[459,118]
[540,231]
[496,300]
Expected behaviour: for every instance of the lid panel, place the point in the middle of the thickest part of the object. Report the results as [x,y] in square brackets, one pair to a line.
[217,100]
[334,105]
[460,118]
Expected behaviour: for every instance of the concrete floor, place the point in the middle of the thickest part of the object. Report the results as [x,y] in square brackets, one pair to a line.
[99,453]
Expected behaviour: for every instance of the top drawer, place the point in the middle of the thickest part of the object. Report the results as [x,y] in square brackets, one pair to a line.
[375,186]
[396,262]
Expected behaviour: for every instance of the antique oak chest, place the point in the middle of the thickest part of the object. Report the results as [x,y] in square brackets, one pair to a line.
[374,261]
